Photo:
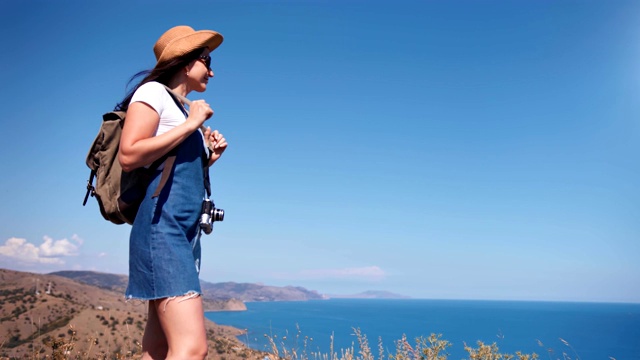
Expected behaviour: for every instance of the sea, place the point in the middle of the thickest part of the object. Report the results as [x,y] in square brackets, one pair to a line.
[553,330]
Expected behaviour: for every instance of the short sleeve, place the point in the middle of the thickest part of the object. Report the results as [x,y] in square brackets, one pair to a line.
[152,94]
[155,95]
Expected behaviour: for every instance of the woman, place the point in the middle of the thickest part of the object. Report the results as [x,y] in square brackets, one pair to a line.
[164,250]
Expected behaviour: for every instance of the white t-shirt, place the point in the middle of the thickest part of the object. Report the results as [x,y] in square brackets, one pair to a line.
[156,95]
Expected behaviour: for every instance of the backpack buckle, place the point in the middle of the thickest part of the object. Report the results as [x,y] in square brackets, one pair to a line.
[91,190]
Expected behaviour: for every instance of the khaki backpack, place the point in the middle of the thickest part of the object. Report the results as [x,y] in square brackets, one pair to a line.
[120,193]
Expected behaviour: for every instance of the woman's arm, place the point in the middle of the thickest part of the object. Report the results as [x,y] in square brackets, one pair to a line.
[138,146]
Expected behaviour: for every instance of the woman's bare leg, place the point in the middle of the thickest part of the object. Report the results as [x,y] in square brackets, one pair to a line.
[182,320]
[154,342]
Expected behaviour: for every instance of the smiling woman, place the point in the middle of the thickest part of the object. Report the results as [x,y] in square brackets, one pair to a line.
[164,245]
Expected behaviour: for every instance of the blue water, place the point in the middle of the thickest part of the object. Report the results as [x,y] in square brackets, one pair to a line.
[592,330]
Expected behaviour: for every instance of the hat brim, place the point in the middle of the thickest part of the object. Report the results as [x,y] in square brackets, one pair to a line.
[186,44]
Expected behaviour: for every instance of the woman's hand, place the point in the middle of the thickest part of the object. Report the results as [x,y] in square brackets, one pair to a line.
[199,112]
[217,144]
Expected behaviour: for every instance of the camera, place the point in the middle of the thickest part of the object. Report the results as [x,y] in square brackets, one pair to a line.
[209,214]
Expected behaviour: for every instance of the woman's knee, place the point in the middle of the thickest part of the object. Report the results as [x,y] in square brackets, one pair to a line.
[201,351]
[196,350]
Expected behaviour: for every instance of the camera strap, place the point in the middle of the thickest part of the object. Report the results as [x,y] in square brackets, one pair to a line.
[207,181]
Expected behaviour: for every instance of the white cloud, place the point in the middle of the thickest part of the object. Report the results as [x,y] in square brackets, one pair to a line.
[56,248]
[49,252]
[365,273]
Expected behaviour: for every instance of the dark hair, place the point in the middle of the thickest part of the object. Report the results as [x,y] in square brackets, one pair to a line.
[162,73]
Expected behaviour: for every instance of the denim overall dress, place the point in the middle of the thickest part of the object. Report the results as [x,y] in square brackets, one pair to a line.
[164,245]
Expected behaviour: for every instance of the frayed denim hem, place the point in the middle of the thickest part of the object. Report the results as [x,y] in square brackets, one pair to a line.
[191,294]
[185,297]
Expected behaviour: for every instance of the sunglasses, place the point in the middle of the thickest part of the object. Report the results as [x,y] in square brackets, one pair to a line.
[206,59]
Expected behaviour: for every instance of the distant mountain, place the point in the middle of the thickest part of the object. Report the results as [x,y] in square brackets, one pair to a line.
[102,280]
[215,293]
[256,292]
[371,294]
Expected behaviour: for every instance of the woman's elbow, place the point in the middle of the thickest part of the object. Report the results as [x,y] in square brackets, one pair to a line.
[126,162]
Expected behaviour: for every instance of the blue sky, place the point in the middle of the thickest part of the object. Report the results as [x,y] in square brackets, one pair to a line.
[436,149]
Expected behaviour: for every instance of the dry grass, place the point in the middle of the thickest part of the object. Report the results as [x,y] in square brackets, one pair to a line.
[432,347]
[222,346]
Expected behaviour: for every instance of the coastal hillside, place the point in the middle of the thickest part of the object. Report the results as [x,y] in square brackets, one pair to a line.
[221,296]
[42,313]
[118,283]
[257,292]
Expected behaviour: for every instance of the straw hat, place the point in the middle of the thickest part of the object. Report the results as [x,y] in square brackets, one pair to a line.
[181,40]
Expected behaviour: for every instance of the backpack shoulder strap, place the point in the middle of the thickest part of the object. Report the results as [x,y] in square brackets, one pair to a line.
[166,172]
[180,100]
[170,158]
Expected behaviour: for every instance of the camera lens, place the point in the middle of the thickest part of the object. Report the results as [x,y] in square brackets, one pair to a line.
[218,214]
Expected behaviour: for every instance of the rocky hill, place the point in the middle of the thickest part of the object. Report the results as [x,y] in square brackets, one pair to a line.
[44,315]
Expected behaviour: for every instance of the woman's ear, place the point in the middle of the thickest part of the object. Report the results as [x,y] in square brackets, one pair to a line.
[188,68]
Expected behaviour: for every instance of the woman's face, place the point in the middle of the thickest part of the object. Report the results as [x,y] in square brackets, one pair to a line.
[200,72]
